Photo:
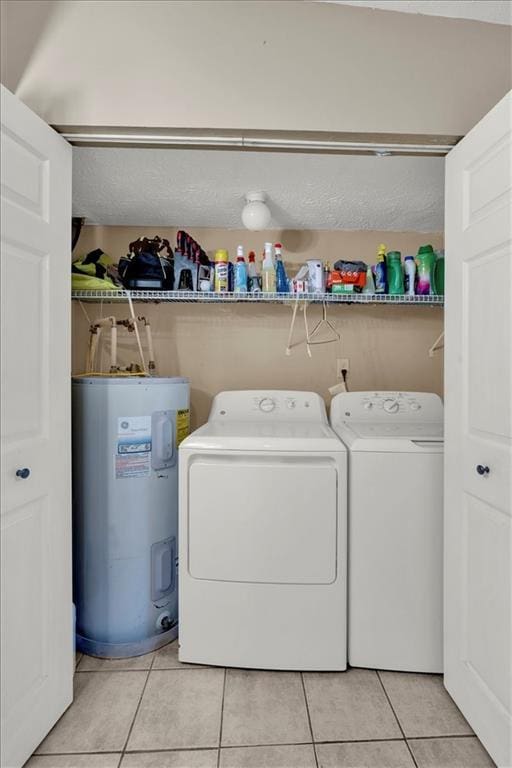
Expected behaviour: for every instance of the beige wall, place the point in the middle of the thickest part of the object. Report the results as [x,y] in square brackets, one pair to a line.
[259,64]
[242,346]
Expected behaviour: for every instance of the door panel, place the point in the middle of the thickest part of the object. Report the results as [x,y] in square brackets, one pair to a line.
[25,304]
[37,633]
[284,534]
[478,430]
[488,339]
[485,609]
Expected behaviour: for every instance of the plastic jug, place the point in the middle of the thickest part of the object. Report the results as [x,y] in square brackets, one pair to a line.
[439,274]
[394,273]
[425,261]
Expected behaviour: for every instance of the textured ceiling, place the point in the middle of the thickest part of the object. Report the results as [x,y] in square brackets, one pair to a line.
[493,11]
[201,188]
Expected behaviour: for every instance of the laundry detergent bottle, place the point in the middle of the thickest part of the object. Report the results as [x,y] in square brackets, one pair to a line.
[240,271]
[381,283]
[425,261]
[281,278]
[409,275]
[395,273]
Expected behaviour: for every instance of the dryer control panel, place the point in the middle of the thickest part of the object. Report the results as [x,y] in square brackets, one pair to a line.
[271,405]
[386,406]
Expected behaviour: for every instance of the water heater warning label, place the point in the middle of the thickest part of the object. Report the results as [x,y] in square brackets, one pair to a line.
[133,454]
[182,425]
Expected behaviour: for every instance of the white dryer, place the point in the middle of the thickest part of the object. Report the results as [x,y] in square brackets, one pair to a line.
[262,572]
[395,528]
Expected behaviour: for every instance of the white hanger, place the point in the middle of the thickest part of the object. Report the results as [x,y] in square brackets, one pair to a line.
[437,345]
[335,336]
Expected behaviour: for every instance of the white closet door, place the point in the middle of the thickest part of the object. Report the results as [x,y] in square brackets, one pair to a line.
[478,438]
[36,634]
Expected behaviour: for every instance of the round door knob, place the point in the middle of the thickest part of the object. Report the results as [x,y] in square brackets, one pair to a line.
[23,473]
[482,470]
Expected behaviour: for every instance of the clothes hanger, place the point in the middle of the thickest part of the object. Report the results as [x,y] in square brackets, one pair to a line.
[437,345]
[322,323]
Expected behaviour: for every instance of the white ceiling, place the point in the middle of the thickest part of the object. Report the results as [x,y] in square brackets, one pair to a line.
[493,11]
[206,188]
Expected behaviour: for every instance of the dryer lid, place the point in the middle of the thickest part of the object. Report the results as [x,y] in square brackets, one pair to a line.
[264,436]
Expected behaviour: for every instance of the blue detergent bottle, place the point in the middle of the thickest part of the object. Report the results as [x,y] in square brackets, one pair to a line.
[282,285]
[240,271]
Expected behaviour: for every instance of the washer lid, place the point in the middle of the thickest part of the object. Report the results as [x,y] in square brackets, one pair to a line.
[260,436]
[401,430]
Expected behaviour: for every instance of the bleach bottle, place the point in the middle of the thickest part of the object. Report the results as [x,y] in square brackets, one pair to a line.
[240,271]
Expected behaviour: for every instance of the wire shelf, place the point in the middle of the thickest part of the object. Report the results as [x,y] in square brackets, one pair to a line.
[209,297]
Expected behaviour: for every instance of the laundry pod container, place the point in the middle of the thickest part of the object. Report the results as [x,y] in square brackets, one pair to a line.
[126,433]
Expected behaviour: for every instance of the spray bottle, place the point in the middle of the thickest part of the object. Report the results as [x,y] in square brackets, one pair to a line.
[221,270]
[240,271]
[268,271]
[281,278]
[252,272]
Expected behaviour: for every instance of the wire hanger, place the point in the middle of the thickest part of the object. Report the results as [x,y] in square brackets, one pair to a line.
[437,345]
[322,323]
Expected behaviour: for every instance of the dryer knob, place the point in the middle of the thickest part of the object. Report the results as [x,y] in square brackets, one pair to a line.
[415,406]
[368,406]
[267,405]
[391,405]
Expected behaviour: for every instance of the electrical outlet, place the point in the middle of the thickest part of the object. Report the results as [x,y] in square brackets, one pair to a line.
[342,364]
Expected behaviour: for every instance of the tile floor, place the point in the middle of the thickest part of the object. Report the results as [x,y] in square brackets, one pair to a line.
[153,712]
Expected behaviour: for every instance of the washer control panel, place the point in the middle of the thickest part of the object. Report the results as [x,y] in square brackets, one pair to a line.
[386,406]
[279,405]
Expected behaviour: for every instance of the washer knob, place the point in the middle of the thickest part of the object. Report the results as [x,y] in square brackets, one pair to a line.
[368,406]
[391,405]
[415,406]
[267,405]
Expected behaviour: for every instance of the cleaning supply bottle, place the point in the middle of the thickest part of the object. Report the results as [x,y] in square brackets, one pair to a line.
[381,281]
[438,282]
[252,272]
[268,271]
[425,261]
[395,273]
[240,271]
[221,271]
[409,275]
[369,285]
[281,278]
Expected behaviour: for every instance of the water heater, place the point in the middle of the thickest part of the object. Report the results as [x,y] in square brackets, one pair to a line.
[126,432]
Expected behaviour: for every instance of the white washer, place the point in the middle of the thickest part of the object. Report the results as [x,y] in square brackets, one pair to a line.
[395,528]
[262,573]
